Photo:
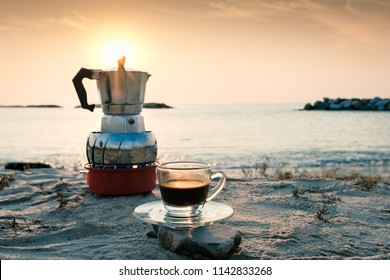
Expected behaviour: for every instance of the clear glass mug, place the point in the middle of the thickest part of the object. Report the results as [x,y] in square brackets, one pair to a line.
[185,187]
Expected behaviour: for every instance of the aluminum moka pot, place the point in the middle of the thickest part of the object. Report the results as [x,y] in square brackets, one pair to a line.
[122,90]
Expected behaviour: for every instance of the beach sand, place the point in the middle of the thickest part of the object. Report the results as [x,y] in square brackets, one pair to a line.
[50,214]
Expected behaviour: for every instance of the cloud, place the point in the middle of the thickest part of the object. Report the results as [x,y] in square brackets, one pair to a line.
[261,8]
[16,26]
[13,26]
[361,23]
[18,23]
[74,20]
[229,9]
[351,22]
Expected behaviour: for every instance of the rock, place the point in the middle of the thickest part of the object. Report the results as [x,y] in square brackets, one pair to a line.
[157,106]
[319,105]
[211,242]
[23,166]
[43,106]
[356,104]
[371,105]
[374,104]
[382,104]
[31,106]
[335,106]
[308,106]
[346,104]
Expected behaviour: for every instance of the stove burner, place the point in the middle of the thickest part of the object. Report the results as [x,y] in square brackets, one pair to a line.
[121,166]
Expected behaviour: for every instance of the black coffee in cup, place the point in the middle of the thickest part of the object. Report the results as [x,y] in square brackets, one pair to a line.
[184,187]
[184,192]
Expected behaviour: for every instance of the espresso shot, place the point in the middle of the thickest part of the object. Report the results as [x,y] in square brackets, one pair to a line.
[185,187]
[184,192]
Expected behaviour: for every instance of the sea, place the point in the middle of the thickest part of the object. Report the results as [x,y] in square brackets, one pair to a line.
[233,138]
[48,214]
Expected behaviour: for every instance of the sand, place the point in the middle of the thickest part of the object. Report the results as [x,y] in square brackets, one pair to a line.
[50,214]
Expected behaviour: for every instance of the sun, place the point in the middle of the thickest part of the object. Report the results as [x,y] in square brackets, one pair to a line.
[113,50]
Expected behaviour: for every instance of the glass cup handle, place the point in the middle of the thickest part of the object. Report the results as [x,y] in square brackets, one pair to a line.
[221,183]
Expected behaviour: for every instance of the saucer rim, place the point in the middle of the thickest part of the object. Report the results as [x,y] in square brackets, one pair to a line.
[183,226]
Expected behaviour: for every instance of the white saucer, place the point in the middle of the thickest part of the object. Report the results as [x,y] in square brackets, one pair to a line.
[155,213]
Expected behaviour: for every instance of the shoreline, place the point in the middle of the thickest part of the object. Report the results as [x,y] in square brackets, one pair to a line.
[264,168]
[340,171]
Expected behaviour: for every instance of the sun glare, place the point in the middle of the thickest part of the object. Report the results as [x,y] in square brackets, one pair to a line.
[114,50]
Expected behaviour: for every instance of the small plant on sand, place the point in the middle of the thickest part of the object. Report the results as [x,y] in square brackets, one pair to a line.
[287,172]
[260,169]
[283,174]
[351,175]
[61,199]
[321,214]
[298,192]
[331,173]
[247,173]
[13,225]
[302,173]
[263,166]
[74,200]
[18,225]
[5,180]
[367,182]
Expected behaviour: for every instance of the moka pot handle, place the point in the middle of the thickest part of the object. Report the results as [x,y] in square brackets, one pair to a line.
[80,89]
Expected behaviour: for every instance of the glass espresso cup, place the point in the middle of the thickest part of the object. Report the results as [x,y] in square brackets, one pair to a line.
[185,187]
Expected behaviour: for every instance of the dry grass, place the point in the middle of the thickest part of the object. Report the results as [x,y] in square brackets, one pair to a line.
[284,172]
[5,180]
[367,182]
[19,225]
[68,202]
[320,215]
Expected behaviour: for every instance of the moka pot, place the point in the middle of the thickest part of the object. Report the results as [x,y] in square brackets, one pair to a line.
[121,157]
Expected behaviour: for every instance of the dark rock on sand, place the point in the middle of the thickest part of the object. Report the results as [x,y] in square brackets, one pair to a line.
[374,104]
[22,166]
[212,242]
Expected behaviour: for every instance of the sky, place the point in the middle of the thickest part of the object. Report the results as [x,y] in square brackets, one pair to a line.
[198,52]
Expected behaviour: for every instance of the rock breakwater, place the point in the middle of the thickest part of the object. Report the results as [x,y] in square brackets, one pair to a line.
[373,104]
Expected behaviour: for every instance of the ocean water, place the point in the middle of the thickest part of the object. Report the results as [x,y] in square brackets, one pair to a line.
[277,219]
[229,137]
